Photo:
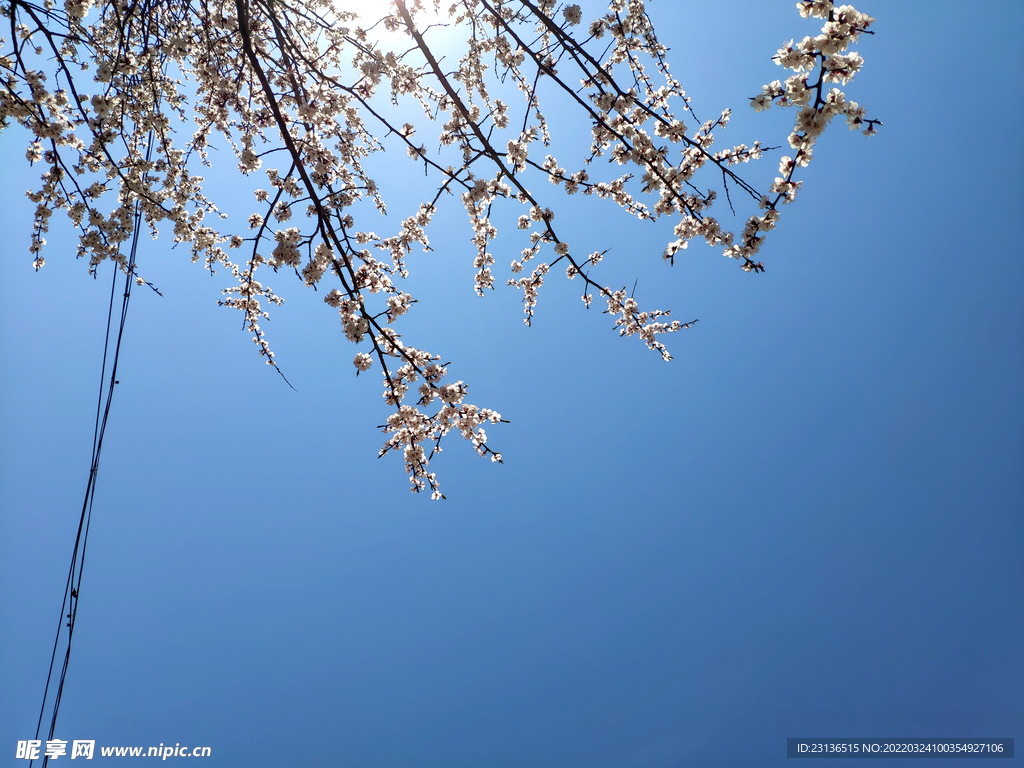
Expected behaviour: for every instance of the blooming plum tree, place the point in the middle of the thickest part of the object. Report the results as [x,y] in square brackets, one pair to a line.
[105,90]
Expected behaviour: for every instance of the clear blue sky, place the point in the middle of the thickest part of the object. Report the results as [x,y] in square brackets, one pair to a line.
[807,524]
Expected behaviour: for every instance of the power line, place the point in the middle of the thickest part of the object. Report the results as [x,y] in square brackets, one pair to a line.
[72,589]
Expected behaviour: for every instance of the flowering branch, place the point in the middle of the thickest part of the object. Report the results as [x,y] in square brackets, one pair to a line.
[108,88]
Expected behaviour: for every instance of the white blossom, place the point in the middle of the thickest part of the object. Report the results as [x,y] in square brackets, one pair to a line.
[362,362]
[122,121]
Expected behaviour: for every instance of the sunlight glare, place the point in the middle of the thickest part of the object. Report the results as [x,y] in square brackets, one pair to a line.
[371,11]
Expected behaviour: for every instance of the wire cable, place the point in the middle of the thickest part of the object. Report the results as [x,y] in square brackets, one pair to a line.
[72,589]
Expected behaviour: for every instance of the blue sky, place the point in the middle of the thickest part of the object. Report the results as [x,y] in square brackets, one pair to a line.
[807,524]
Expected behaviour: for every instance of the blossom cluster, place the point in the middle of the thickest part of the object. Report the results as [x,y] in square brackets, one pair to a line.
[815,62]
[125,102]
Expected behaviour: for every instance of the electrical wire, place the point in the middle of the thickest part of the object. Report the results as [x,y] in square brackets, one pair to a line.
[72,589]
